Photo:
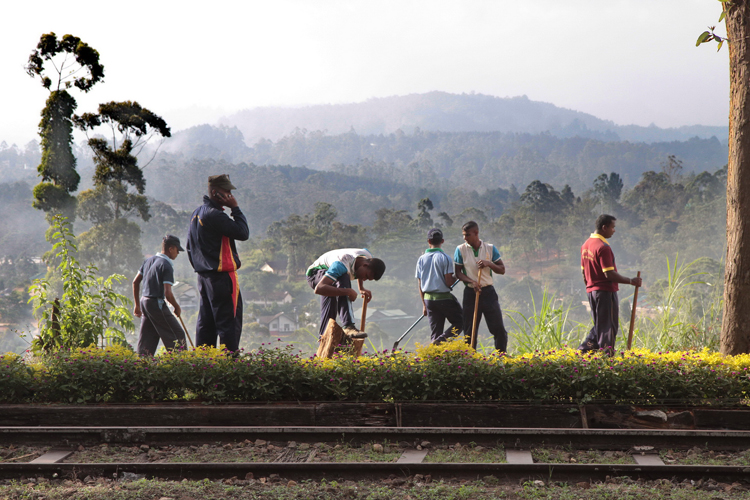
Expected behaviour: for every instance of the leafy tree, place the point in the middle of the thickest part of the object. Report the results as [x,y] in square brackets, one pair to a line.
[76,64]
[114,241]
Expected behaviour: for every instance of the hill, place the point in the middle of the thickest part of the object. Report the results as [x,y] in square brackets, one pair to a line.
[445,112]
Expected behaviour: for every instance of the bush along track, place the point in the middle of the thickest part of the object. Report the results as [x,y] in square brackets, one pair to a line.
[450,372]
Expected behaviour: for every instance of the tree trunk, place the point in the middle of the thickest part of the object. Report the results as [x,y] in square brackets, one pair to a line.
[735,328]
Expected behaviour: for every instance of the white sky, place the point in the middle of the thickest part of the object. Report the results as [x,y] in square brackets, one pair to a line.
[630,61]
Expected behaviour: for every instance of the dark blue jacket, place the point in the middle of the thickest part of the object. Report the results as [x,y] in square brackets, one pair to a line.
[210,240]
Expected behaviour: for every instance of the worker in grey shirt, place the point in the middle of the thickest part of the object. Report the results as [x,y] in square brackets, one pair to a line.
[157,321]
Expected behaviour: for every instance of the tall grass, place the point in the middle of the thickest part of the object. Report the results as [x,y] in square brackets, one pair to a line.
[686,313]
[547,326]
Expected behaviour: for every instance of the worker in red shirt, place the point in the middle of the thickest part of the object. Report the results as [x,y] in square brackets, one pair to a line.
[601,278]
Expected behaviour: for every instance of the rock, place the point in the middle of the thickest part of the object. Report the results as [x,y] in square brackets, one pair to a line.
[657,415]
[228,446]
[144,447]
[573,460]
[399,481]
[377,448]
[291,483]
[419,448]
[479,448]
[249,476]
[318,446]
[584,485]
[425,444]
[539,483]
[261,442]
[292,444]
[81,448]
[166,498]
[304,446]
[131,476]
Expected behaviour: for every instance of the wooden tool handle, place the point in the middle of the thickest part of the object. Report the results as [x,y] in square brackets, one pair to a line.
[632,315]
[186,332]
[476,309]
[364,315]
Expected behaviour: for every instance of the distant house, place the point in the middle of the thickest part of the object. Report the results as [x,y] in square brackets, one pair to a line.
[278,323]
[186,295]
[267,298]
[275,266]
[381,315]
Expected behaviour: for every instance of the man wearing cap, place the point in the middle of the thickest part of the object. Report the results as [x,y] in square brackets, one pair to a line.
[213,255]
[435,276]
[157,322]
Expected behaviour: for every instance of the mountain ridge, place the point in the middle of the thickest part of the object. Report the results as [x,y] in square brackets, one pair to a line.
[446,112]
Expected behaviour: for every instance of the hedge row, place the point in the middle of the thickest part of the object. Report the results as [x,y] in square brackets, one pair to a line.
[450,372]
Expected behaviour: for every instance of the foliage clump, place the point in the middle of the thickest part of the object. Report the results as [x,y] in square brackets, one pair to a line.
[89,311]
[449,372]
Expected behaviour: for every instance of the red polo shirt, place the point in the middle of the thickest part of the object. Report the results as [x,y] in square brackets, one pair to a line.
[596,259]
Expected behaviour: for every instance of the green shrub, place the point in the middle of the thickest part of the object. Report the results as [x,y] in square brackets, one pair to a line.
[449,372]
[89,311]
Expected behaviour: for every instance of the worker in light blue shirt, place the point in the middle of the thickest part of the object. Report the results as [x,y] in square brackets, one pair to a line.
[435,275]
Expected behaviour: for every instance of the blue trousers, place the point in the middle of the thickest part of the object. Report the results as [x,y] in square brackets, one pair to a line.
[489,307]
[330,306]
[440,310]
[220,313]
[605,309]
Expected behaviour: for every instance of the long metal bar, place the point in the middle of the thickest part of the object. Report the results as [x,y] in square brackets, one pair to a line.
[609,439]
[395,345]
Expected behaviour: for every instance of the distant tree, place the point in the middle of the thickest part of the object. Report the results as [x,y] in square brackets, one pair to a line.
[446,219]
[567,196]
[608,189]
[424,219]
[672,168]
[388,220]
[114,242]
[58,165]
[541,197]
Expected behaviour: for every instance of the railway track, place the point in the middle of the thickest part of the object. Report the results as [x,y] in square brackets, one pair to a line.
[516,442]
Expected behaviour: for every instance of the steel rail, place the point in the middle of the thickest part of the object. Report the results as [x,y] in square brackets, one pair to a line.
[609,439]
[359,471]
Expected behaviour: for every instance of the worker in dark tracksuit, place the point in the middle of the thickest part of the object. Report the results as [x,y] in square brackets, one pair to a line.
[213,255]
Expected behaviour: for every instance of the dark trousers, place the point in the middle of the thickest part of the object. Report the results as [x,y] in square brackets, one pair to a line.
[158,323]
[440,310]
[489,307]
[220,313]
[330,306]
[605,310]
